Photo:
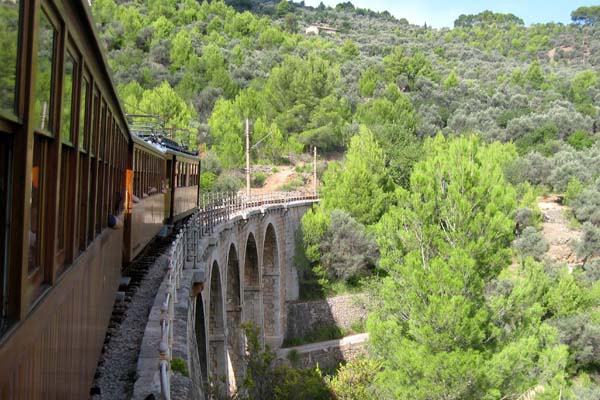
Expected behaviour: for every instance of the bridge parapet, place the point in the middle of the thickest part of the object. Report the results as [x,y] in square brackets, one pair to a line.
[187,273]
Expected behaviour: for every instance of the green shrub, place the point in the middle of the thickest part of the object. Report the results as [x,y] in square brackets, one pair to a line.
[258,179]
[574,189]
[227,182]
[293,185]
[580,140]
[207,179]
[353,381]
[302,169]
[293,357]
[319,334]
[178,365]
[358,326]
[531,243]
[264,380]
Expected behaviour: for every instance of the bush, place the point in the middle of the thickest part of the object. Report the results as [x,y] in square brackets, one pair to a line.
[524,218]
[319,334]
[207,179]
[590,274]
[586,206]
[533,168]
[293,185]
[574,189]
[228,182]
[348,251]
[264,380]
[580,140]
[582,334]
[590,243]
[258,179]
[211,163]
[531,243]
[293,357]
[353,381]
[178,365]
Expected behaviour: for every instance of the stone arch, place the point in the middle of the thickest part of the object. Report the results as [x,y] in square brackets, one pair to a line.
[271,293]
[216,328]
[252,301]
[201,342]
[235,350]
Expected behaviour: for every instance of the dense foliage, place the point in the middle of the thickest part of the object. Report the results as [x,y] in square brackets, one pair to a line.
[213,67]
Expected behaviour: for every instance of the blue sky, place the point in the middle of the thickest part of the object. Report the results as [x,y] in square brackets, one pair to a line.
[439,13]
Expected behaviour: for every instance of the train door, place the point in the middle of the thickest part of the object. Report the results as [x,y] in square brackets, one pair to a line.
[5,164]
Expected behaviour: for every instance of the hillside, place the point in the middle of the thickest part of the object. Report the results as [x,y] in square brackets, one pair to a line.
[208,67]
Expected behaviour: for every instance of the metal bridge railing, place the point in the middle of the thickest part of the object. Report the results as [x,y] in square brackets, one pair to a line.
[215,209]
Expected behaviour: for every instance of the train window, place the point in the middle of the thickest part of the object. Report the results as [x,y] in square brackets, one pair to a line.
[83,106]
[64,209]
[45,75]
[65,133]
[100,186]
[36,212]
[102,133]
[176,175]
[182,172]
[92,200]
[136,170]
[9,37]
[83,200]
[93,123]
[84,166]
[94,120]
[5,157]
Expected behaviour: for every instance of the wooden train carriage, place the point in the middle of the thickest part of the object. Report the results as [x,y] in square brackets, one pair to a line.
[183,172]
[63,154]
[145,215]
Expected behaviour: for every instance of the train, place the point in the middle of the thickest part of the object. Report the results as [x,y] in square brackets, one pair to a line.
[81,195]
[163,186]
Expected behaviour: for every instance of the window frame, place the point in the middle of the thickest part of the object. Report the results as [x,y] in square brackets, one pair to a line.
[17,112]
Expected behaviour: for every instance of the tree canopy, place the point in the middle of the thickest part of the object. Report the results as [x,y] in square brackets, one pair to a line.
[586,15]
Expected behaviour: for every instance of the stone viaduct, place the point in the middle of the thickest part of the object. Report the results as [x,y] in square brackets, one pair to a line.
[232,270]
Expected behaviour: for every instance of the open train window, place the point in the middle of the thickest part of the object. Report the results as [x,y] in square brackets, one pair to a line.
[83,106]
[5,167]
[47,35]
[94,127]
[36,214]
[84,164]
[9,42]
[65,209]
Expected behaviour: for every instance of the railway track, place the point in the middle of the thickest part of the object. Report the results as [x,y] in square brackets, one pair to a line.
[115,373]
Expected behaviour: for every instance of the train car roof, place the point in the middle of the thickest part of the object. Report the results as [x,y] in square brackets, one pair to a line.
[85,7]
[167,151]
[153,147]
[182,154]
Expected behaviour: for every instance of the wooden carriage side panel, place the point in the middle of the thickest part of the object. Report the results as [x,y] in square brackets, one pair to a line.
[55,351]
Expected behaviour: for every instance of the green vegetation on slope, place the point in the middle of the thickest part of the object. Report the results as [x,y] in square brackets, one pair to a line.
[206,66]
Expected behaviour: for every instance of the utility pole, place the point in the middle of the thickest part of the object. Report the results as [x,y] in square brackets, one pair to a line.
[248,158]
[315,169]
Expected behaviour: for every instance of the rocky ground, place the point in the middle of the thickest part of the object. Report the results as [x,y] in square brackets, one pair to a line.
[557,232]
[115,375]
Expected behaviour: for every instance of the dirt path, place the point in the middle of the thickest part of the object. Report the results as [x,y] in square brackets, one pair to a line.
[556,229]
[284,175]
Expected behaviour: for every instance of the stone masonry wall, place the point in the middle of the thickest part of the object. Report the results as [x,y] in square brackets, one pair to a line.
[326,355]
[343,311]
